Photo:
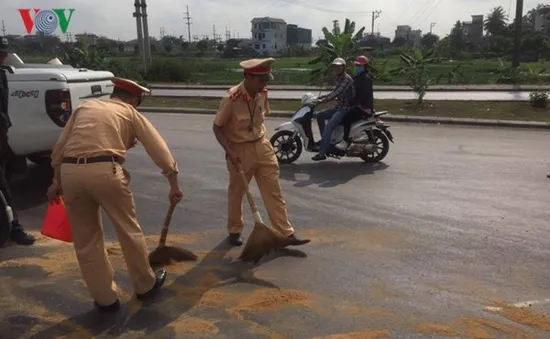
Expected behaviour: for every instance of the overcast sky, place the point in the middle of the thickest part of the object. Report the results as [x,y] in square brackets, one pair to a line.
[113,18]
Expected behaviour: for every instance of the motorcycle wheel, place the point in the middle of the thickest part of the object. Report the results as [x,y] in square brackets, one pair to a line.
[286,147]
[382,148]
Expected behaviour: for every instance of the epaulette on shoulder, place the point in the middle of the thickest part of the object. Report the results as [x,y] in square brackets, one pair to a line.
[233,93]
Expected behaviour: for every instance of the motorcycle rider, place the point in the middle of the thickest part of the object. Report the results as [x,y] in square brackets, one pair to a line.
[344,92]
[363,102]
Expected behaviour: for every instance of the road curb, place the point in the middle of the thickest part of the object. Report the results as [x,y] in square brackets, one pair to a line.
[388,117]
[301,88]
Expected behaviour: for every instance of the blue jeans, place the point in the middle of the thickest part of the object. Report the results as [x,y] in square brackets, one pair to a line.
[334,117]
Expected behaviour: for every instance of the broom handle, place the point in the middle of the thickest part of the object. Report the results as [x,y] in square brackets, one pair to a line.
[167,219]
[253,206]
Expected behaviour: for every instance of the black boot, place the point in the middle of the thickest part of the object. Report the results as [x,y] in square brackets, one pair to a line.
[235,239]
[114,307]
[160,277]
[19,236]
[319,156]
[296,241]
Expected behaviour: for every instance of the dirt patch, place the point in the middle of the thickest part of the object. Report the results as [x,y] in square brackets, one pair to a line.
[376,334]
[473,328]
[268,300]
[174,239]
[438,329]
[365,240]
[193,325]
[524,316]
[262,330]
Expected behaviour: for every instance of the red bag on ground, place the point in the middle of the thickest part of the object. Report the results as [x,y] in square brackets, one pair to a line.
[56,223]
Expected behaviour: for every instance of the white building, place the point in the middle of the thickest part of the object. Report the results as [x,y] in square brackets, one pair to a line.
[542,19]
[269,35]
[413,36]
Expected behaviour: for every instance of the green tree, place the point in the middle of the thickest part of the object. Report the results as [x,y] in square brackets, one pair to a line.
[429,40]
[339,44]
[495,23]
[456,41]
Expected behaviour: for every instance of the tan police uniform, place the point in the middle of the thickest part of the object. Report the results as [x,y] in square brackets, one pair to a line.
[241,119]
[91,151]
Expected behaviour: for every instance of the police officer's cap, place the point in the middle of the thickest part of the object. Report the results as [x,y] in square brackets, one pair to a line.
[258,67]
[130,86]
[4,45]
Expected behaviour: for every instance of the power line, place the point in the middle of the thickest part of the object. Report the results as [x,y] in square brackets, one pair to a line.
[430,13]
[421,12]
[323,9]
[187,17]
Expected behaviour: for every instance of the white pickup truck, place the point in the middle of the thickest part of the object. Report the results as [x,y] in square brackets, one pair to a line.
[41,99]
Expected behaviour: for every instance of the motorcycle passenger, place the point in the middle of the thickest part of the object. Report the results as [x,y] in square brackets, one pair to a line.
[344,92]
[363,102]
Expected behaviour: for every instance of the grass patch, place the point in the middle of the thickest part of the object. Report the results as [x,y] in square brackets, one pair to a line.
[217,71]
[495,110]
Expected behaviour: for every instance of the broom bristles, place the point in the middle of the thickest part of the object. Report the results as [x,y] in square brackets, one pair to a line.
[261,241]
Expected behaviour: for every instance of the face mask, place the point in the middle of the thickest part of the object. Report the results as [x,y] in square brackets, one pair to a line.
[359,70]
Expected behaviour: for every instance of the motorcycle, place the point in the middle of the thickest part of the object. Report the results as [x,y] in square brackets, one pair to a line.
[369,138]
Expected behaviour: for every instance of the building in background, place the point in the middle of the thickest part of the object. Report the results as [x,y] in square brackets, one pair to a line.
[473,30]
[269,35]
[298,36]
[411,36]
[542,20]
[87,38]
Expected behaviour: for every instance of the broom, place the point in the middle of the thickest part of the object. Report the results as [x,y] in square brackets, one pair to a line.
[263,238]
[164,255]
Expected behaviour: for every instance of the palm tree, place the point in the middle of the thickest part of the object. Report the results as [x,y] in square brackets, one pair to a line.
[338,44]
[495,23]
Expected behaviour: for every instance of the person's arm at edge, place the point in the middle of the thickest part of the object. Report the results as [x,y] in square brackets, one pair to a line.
[57,151]
[222,117]
[156,147]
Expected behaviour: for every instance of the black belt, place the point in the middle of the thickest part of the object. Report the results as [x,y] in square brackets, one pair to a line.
[89,160]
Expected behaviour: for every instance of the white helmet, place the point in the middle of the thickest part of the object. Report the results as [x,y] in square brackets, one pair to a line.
[308,99]
[339,62]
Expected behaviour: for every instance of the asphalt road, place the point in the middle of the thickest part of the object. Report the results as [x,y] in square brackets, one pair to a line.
[399,95]
[453,221]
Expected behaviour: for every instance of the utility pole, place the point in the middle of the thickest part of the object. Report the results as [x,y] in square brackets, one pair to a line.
[517,33]
[375,15]
[137,15]
[3,28]
[187,17]
[146,41]
[214,32]
[431,27]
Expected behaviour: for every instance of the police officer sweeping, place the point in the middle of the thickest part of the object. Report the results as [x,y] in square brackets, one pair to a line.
[87,161]
[239,128]
[17,233]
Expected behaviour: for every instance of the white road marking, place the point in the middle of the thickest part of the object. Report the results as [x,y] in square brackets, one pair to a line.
[520,304]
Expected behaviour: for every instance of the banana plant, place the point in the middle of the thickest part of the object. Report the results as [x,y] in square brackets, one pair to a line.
[415,68]
[343,45]
[83,57]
